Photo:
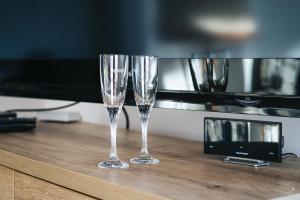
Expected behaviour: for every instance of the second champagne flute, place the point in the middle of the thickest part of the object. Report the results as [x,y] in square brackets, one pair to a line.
[144,79]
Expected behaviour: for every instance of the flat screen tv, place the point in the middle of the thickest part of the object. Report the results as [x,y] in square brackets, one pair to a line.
[49,49]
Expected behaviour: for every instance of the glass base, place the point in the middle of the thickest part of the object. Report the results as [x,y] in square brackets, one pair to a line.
[145,160]
[117,164]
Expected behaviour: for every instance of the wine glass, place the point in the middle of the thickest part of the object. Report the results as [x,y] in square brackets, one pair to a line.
[144,79]
[113,78]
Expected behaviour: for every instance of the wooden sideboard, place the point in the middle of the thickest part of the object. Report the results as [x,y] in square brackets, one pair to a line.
[17,185]
[58,161]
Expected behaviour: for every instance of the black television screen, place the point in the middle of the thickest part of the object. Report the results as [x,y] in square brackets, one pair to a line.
[81,29]
[50,48]
[66,79]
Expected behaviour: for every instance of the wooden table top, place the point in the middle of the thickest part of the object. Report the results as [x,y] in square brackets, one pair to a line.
[67,154]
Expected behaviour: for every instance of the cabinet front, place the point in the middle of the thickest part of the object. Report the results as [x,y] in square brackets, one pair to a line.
[30,188]
[6,183]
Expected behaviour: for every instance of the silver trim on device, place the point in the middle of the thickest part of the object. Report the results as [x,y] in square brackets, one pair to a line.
[246,161]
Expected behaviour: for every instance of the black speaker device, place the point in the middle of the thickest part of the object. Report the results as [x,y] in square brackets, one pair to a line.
[243,138]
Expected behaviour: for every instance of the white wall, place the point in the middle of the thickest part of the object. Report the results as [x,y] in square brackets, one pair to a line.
[176,123]
[7,103]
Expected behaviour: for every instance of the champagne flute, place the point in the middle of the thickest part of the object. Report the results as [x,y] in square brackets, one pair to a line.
[144,79]
[113,78]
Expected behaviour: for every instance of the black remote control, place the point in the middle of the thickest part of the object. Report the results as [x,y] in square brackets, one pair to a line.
[8,115]
[6,128]
[11,120]
[10,123]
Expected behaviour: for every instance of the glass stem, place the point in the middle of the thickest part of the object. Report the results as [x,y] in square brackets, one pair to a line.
[113,134]
[144,121]
[113,121]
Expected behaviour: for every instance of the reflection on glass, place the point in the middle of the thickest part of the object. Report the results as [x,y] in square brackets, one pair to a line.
[218,70]
[279,76]
[221,130]
[264,76]
[199,74]
[214,130]
[263,132]
[255,76]
[239,131]
[175,75]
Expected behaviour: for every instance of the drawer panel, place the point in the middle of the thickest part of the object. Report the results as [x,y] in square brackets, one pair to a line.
[6,183]
[30,188]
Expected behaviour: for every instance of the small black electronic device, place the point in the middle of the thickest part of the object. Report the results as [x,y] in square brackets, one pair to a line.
[243,138]
[21,120]
[9,122]
[5,115]
[19,127]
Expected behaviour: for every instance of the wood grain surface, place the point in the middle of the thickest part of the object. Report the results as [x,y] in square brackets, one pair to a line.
[67,155]
[30,188]
[6,183]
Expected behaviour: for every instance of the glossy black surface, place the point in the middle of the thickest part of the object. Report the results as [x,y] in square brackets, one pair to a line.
[254,86]
[248,90]
[75,80]
[279,77]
